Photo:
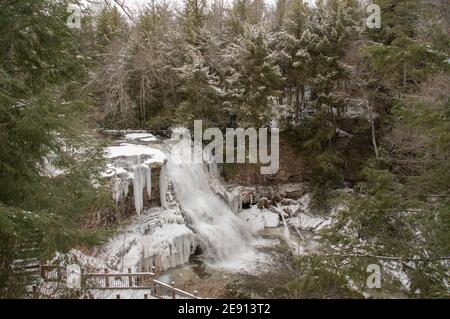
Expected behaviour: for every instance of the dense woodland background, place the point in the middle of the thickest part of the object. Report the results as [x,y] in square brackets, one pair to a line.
[372,101]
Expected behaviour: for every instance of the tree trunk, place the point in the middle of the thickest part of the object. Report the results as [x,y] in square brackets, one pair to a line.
[372,127]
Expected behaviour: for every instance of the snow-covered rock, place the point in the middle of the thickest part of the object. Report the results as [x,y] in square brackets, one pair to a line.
[141,137]
[259,219]
[127,150]
[293,191]
[167,247]
[271,220]
[150,241]
[254,219]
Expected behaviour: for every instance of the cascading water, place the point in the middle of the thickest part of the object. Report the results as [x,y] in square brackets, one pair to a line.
[221,233]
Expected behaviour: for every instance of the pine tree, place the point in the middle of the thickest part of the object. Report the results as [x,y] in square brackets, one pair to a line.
[111,26]
[252,78]
[46,187]
[193,18]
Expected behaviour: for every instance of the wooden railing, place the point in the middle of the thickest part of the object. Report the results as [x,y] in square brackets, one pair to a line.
[111,281]
[107,280]
[53,273]
[165,291]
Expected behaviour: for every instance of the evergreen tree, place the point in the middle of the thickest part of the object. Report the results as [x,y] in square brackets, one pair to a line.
[46,186]
[111,26]
[252,78]
[193,18]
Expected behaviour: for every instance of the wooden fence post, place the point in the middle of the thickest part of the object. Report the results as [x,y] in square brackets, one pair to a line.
[43,275]
[35,293]
[82,278]
[130,278]
[173,291]
[106,279]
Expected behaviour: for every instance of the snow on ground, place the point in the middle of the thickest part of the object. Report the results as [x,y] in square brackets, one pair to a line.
[271,220]
[143,137]
[130,150]
[396,270]
[112,171]
[124,294]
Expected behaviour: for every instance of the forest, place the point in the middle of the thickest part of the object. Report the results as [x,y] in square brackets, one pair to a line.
[365,110]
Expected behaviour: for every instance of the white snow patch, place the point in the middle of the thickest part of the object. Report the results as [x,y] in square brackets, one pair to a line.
[254,219]
[124,294]
[144,137]
[132,150]
[271,220]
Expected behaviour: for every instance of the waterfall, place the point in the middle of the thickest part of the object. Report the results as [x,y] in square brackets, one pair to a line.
[221,233]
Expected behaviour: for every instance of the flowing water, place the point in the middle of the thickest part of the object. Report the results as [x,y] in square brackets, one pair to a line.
[223,236]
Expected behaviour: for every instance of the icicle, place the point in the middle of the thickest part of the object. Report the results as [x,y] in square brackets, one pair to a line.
[163,186]
[120,187]
[137,189]
[116,189]
[149,181]
[125,187]
[286,232]
[141,178]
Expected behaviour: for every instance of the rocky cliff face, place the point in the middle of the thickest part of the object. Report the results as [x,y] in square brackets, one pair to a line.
[293,169]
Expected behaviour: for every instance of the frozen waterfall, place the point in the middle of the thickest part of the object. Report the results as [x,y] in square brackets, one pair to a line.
[135,173]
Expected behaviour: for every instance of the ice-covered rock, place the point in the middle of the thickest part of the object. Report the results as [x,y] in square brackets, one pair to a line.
[167,247]
[150,241]
[271,220]
[254,219]
[258,219]
[141,137]
[127,150]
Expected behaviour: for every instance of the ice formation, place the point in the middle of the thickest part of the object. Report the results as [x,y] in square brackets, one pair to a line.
[130,150]
[259,219]
[158,238]
[137,174]
[167,247]
[120,188]
[130,164]
[141,179]
[143,137]
[163,186]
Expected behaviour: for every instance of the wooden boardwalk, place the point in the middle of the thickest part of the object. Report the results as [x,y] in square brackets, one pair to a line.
[118,281]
